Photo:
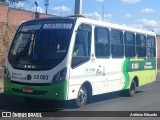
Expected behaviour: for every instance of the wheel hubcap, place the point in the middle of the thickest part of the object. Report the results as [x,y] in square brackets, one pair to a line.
[82,96]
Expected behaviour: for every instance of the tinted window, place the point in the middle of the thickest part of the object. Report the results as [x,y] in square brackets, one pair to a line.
[150,52]
[43,44]
[117,48]
[150,44]
[82,47]
[129,39]
[116,37]
[141,40]
[102,44]
[141,45]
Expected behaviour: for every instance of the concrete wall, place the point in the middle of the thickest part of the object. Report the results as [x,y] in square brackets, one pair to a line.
[14,17]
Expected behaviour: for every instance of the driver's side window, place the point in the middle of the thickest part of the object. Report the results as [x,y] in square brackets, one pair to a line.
[82,46]
[79,45]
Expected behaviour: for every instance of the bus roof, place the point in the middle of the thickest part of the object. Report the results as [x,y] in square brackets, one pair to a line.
[83,19]
[114,26]
[51,18]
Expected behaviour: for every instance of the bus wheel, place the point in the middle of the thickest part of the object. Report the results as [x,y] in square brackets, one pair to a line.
[82,97]
[132,90]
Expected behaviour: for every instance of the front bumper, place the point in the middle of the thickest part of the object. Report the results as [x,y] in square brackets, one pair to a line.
[53,92]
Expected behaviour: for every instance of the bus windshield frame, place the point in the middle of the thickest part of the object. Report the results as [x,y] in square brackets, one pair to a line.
[41,45]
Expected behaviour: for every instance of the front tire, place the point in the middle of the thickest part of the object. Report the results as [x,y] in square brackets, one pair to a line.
[82,97]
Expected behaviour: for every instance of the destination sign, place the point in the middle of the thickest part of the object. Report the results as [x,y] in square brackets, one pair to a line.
[30,27]
[58,26]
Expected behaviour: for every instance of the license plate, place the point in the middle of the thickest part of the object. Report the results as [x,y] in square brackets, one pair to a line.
[27,90]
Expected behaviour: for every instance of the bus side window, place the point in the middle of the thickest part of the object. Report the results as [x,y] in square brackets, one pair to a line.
[150,44]
[82,47]
[79,45]
[117,47]
[141,45]
[129,39]
[102,42]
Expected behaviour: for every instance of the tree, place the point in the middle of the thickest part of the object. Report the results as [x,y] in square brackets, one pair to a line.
[3,1]
[15,1]
[12,2]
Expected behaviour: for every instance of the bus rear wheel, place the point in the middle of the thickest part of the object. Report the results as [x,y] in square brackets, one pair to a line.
[82,97]
[132,90]
[129,92]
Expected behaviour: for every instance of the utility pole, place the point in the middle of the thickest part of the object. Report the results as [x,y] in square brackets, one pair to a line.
[36,13]
[46,3]
[36,4]
[78,7]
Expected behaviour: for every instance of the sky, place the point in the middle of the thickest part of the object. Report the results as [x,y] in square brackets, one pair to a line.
[143,14]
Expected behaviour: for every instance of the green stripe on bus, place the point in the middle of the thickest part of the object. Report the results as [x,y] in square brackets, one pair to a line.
[125,72]
[136,59]
[139,67]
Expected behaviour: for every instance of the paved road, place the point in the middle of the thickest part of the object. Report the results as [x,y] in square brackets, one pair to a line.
[146,99]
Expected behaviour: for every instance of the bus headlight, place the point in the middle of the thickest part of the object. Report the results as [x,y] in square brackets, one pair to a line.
[60,76]
[7,75]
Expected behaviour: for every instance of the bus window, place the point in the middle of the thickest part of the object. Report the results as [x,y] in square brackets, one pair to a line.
[150,44]
[45,39]
[129,39]
[117,48]
[82,47]
[102,43]
[141,45]
[44,45]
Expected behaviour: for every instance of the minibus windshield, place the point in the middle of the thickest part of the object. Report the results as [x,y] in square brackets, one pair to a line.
[42,45]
